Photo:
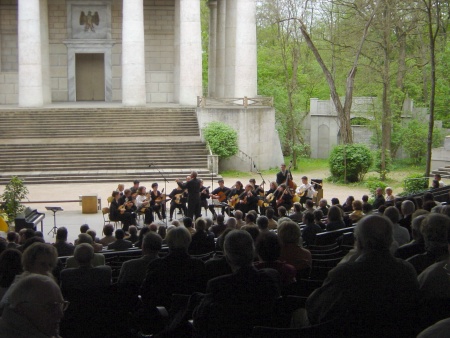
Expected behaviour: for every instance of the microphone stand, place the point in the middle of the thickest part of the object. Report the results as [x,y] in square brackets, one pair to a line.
[259,173]
[165,187]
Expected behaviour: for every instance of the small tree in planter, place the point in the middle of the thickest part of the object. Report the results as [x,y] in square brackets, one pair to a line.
[15,192]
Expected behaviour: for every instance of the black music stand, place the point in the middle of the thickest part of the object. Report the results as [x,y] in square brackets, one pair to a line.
[55,210]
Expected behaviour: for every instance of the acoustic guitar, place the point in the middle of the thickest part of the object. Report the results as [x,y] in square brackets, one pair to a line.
[233,200]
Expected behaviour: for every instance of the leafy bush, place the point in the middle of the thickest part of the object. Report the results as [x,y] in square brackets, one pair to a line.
[221,138]
[352,161]
[414,183]
[415,140]
[15,192]
[377,162]
[372,184]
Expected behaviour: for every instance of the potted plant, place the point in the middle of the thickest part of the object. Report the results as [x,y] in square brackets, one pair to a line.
[15,192]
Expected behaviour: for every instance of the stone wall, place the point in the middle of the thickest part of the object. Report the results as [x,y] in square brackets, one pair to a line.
[8,52]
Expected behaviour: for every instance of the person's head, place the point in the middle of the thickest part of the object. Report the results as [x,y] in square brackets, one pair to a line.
[10,266]
[12,237]
[220,219]
[334,201]
[273,185]
[374,233]
[334,214]
[187,221]
[388,191]
[238,214]
[85,238]
[250,218]
[209,222]
[263,223]
[155,186]
[194,174]
[92,234]
[221,183]
[309,204]
[318,215]
[239,249]
[84,228]
[200,224]
[83,254]
[39,234]
[141,190]
[120,187]
[416,227]
[119,234]
[304,179]
[289,233]
[357,205]
[61,234]
[365,198]
[367,208]
[379,191]
[446,210]
[435,228]
[270,213]
[323,203]
[231,223]
[407,208]
[38,299]
[283,167]
[176,223]
[308,217]
[428,196]
[115,195]
[26,234]
[437,177]
[349,200]
[428,205]
[393,214]
[136,184]
[152,227]
[40,258]
[252,181]
[282,211]
[151,243]
[178,238]
[268,247]
[133,230]
[297,207]
[238,185]
[108,229]
[127,192]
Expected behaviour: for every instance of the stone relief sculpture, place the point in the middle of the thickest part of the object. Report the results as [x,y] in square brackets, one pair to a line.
[89,20]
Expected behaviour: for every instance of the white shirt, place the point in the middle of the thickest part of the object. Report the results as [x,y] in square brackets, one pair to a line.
[307,188]
[139,200]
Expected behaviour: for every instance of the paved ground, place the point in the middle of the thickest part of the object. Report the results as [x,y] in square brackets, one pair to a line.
[72,216]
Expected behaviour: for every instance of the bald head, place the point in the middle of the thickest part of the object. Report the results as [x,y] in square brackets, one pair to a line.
[374,233]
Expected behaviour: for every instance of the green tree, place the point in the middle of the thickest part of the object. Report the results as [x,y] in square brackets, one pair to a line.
[15,192]
[415,140]
[350,162]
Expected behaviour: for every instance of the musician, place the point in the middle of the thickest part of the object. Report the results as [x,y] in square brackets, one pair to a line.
[233,196]
[135,186]
[283,175]
[128,201]
[248,200]
[120,189]
[193,188]
[283,198]
[307,189]
[204,195]
[143,205]
[178,200]
[257,188]
[158,201]
[220,194]
[127,218]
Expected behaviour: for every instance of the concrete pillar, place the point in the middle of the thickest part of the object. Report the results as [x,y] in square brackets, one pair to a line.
[45,50]
[31,89]
[133,54]
[176,50]
[212,58]
[220,48]
[230,47]
[190,53]
[245,60]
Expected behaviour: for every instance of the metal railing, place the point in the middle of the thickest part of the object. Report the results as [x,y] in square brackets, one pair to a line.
[203,101]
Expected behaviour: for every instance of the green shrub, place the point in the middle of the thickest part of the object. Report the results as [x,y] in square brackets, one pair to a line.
[221,138]
[373,183]
[415,140]
[377,162]
[414,183]
[350,162]
[15,192]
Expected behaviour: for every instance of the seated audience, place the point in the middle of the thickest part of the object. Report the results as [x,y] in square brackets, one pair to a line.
[133,271]
[389,196]
[297,215]
[175,273]
[292,251]
[311,229]
[435,230]
[97,260]
[202,240]
[120,243]
[379,199]
[239,215]
[85,276]
[309,206]
[417,245]
[407,209]
[249,222]
[348,204]
[262,223]
[282,215]
[35,308]
[189,225]
[133,234]
[401,235]
[318,216]
[220,227]
[323,205]
[108,231]
[335,218]
[13,240]
[270,214]
[218,265]
[97,246]
[268,249]
[367,208]
[83,230]
[61,245]
[235,303]
[10,267]
[372,294]
[357,213]
[231,223]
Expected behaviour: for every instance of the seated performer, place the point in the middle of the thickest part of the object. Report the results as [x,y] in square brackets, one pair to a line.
[127,201]
[233,196]
[116,215]
[143,205]
[283,198]
[247,200]
[158,201]
[204,195]
[220,194]
[306,190]
[178,200]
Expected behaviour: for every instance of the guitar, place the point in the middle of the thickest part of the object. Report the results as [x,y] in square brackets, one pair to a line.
[222,196]
[233,200]
[178,198]
[160,198]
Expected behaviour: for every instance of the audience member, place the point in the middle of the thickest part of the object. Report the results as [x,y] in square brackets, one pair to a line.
[35,308]
[357,213]
[97,246]
[297,215]
[239,215]
[335,218]
[311,228]
[120,243]
[438,330]
[133,234]
[323,205]
[235,303]
[401,235]
[218,266]
[309,206]
[249,222]
[61,245]
[263,224]
[367,208]
[10,267]
[189,225]
[83,230]
[389,196]
[220,227]
[407,209]
[348,204]
[108,231]
[97,260]
[13,240]
[282,215]
[318,216]
[231,223]
[202,240]
[379,198]
[85,276]
[270,214]
[133,271]
[292,251]
[417,245]
[372,294]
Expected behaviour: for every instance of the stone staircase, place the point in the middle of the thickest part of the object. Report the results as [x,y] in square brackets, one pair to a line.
[68,145]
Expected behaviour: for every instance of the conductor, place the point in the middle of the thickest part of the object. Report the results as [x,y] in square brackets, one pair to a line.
[193,188]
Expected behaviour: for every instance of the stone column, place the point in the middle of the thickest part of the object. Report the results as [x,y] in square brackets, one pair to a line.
[220,48]
[245,59]
[45,50]
[176,51]
[230,47]
[190,52]
[31,89]
[133,54]
[212,58]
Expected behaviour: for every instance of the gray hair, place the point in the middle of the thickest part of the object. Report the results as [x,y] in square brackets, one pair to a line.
[152,242]
[408,207]
[83,253]
[178,238]
[231,222]
[435,229]
[239,248]
[374,233]
[392,213]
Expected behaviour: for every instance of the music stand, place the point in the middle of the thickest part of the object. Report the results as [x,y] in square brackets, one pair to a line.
[55,210]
